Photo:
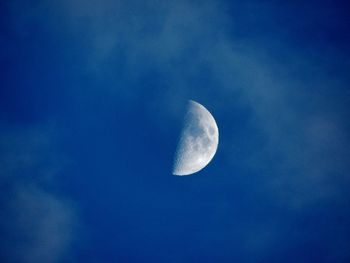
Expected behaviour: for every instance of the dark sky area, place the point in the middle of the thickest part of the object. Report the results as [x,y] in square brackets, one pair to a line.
[92,99]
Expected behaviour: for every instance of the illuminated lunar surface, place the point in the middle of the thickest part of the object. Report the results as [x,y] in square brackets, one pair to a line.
[199,141]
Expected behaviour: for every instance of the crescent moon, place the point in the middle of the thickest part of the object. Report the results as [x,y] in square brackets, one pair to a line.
[198,142]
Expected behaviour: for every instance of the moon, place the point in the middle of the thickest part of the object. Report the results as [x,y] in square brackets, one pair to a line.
[198,142]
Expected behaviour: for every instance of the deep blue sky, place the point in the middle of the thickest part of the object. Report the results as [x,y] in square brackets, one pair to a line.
[92,98]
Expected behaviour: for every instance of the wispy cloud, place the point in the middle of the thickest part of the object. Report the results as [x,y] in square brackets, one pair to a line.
[36,224]
[42,225]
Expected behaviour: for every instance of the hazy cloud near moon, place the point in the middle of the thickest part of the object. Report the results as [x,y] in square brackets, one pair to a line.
[180,40]
[273,83]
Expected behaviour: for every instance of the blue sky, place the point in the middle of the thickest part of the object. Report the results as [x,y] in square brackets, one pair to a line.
[92,99]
